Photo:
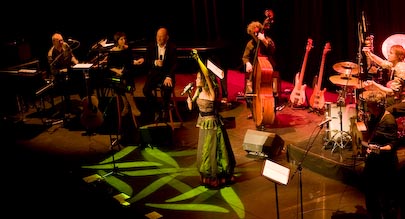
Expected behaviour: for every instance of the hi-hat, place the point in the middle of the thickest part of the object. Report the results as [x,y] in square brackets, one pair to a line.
[347,68]
[344,81]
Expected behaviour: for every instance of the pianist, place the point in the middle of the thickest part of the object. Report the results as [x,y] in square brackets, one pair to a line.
[60,60]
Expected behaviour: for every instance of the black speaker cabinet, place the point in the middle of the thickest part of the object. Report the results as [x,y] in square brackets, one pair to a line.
[268,143]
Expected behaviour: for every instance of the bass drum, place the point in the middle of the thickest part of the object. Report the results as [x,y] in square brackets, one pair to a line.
[334,111]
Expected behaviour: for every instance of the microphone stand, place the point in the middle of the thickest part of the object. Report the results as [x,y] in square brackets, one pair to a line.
[114,142]
[299,167]
[56,59]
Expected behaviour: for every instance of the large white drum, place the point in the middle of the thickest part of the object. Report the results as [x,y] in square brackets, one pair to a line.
[334,111]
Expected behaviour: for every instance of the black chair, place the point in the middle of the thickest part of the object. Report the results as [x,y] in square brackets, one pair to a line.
[172,107]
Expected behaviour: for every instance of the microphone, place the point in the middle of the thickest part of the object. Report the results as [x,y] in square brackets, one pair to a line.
[187,88]
[74,43]
[160,57]
[325,121]
[72,40]
[66,46]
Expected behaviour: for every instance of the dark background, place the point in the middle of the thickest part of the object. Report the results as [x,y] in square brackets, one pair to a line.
[26,27]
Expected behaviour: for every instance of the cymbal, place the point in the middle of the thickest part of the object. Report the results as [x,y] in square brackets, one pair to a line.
[396,39]
[346,68]
[342,80]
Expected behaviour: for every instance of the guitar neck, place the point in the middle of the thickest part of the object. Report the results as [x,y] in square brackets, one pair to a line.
[304,63]
[302,72]
[321,69]
[320,75]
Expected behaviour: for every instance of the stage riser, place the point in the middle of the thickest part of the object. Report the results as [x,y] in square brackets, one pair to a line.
[345,172]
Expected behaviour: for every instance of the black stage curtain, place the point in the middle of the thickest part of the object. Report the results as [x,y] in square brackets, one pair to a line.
[211,22]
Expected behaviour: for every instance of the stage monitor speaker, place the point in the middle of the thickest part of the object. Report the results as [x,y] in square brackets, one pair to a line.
[268,143]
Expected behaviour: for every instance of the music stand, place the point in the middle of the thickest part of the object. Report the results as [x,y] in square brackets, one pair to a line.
[276,173]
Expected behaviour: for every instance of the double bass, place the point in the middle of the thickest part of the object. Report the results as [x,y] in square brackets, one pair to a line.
[263,102]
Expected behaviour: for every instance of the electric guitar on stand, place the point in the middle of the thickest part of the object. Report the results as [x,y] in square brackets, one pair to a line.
[298,96]
[317,100]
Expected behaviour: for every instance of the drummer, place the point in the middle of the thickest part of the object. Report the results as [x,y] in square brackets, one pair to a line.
[394,88]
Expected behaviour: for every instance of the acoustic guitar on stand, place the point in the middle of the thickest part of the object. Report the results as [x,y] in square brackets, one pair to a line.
[317,100]
[298,97]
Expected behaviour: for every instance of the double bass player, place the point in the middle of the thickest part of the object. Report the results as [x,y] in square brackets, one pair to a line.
[260,45]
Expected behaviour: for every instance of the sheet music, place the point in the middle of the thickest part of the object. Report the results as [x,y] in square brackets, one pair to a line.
[276,172]
[108,44]
[28,71]
[215,69]
[82,66]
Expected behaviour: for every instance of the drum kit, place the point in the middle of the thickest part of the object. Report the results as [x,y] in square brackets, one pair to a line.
[348,79]
[349,71]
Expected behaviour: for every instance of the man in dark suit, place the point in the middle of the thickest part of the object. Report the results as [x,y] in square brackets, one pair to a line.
[161,60]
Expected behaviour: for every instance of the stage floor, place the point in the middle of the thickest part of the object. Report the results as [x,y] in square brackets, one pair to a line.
[46,167]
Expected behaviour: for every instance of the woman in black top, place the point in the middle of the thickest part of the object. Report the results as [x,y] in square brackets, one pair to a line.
[120,64]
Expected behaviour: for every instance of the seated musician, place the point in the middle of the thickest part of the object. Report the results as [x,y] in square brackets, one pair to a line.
[120,64]
[60,60]
[394,89]
[266,48]
[161,60]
